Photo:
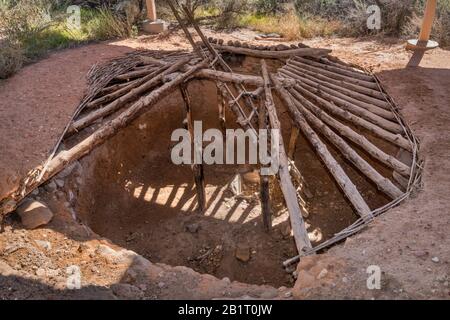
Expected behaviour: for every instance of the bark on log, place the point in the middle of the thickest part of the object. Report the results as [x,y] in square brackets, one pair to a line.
[339,96]
[222,110]
[347,186]
[293,142]
[287,187]
[355,137]
[122,101]
[238,78]
[124,89]
[383,184]
[333,109]
[64,158]
[333,75]
[349,93]
[197,169]
[264,189]
[348,73]
[273,54]
[116,87]
[348,106]
[135,74]
[351,86]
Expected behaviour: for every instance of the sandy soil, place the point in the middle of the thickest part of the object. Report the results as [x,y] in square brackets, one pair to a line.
[404,243]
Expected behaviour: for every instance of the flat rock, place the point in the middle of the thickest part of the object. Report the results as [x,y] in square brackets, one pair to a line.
[242,253]
[51,186]
[60,183]
[34,214]
[193,227]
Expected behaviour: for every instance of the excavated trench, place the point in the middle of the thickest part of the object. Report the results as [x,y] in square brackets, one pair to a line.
[135,196]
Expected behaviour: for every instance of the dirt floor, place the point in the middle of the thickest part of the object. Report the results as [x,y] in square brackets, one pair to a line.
[410,243]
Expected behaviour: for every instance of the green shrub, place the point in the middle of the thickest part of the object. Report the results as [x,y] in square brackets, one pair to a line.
[230,10]
[269,7]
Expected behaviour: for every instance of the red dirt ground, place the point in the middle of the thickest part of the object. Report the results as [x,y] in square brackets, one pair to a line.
[405,242]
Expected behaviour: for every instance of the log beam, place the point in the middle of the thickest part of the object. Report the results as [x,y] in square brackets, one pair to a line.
[396,139]
[290,195]
[344,182]
[197,169]
[312,52]
[264,189]
[355,137]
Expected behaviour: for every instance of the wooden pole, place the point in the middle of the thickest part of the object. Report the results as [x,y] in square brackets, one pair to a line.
[337,76]
[222,110]
[383,184]
[342,89]
[147,83]
[396,139]
[151,10]
[355,137]
[264,190]
[197,169]
[293,142]
[312,52]
[374,114]
[424,43]
[344,182]
[287,187]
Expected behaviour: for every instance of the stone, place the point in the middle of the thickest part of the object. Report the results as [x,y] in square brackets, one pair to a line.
[226,280]
[193,227]
[76,166]
[322,274]
[435,259]
[44,244]
[60,183]
[34,214]
[79,181]
[126,291]
[51,186]
[41,272]
[242,253]
[269,294]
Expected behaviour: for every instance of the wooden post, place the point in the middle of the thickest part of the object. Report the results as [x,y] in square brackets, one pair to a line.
[199,177]
[424,43]
[287,187]
[222,110]
[151,10]
[293,142]
[264,190]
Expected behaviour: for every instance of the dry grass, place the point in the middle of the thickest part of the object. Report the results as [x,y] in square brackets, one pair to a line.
[11,59]
[291,26]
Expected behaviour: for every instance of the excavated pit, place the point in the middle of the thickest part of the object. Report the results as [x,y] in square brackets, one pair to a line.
[135,196]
